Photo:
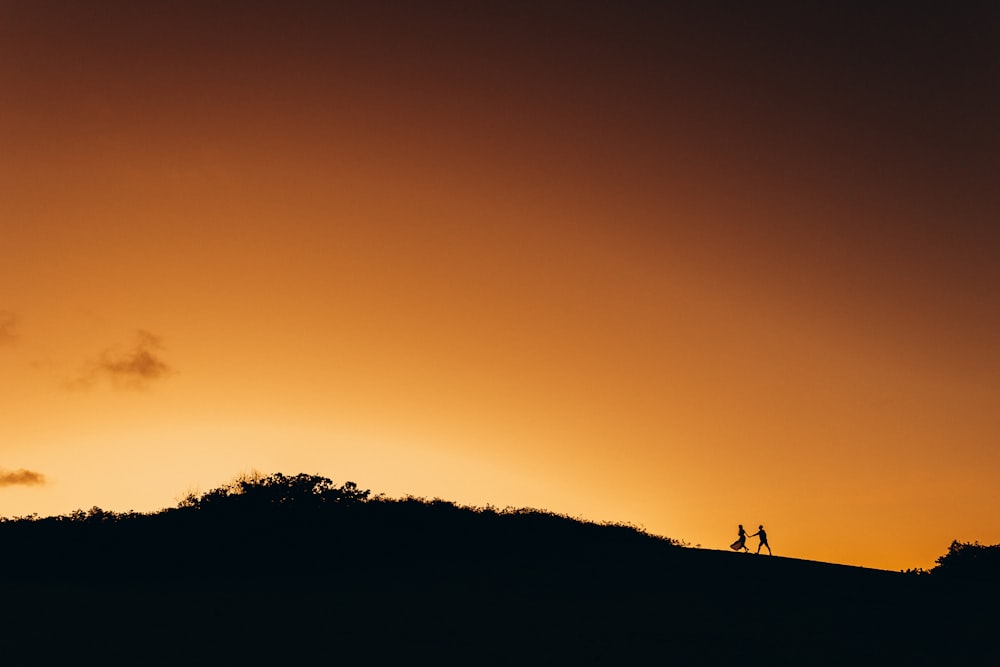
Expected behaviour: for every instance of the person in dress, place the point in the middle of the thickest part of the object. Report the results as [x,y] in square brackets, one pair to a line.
[741,541]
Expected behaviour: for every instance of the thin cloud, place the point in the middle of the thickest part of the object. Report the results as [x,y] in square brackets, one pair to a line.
[8,325]
[21,477]
[132,368]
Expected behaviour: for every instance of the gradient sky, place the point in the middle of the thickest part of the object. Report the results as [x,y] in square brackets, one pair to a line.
[684,267]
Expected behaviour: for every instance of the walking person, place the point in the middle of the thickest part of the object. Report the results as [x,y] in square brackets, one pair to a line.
[741,541]
[763,540]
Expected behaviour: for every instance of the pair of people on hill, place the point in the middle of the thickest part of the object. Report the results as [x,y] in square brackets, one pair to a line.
[741,540]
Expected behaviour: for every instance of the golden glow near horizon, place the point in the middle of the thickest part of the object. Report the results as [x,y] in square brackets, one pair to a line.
[600,266]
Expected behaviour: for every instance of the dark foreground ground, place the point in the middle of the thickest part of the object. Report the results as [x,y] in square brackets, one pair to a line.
[697,608]
[418,583]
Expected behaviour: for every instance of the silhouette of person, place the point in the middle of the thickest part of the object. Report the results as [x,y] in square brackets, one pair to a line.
[741,541]
[763,540]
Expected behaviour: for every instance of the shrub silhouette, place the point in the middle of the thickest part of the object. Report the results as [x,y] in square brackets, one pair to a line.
[970,561]
[256,493]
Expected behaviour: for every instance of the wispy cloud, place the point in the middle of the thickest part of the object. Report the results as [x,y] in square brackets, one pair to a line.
[134,367]
[8,326]
[21,477]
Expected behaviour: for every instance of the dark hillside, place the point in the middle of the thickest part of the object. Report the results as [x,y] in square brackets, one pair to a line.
[293,570]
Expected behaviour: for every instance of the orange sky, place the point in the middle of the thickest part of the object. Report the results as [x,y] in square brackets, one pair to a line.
[683,268]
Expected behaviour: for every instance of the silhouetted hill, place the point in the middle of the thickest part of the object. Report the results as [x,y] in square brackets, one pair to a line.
[295,570]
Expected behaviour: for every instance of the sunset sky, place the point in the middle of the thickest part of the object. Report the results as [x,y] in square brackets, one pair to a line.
[683,267]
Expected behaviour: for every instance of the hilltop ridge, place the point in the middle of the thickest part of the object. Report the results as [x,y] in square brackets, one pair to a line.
[280,569]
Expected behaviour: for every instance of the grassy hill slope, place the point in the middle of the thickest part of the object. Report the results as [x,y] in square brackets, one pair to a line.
[293,570]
